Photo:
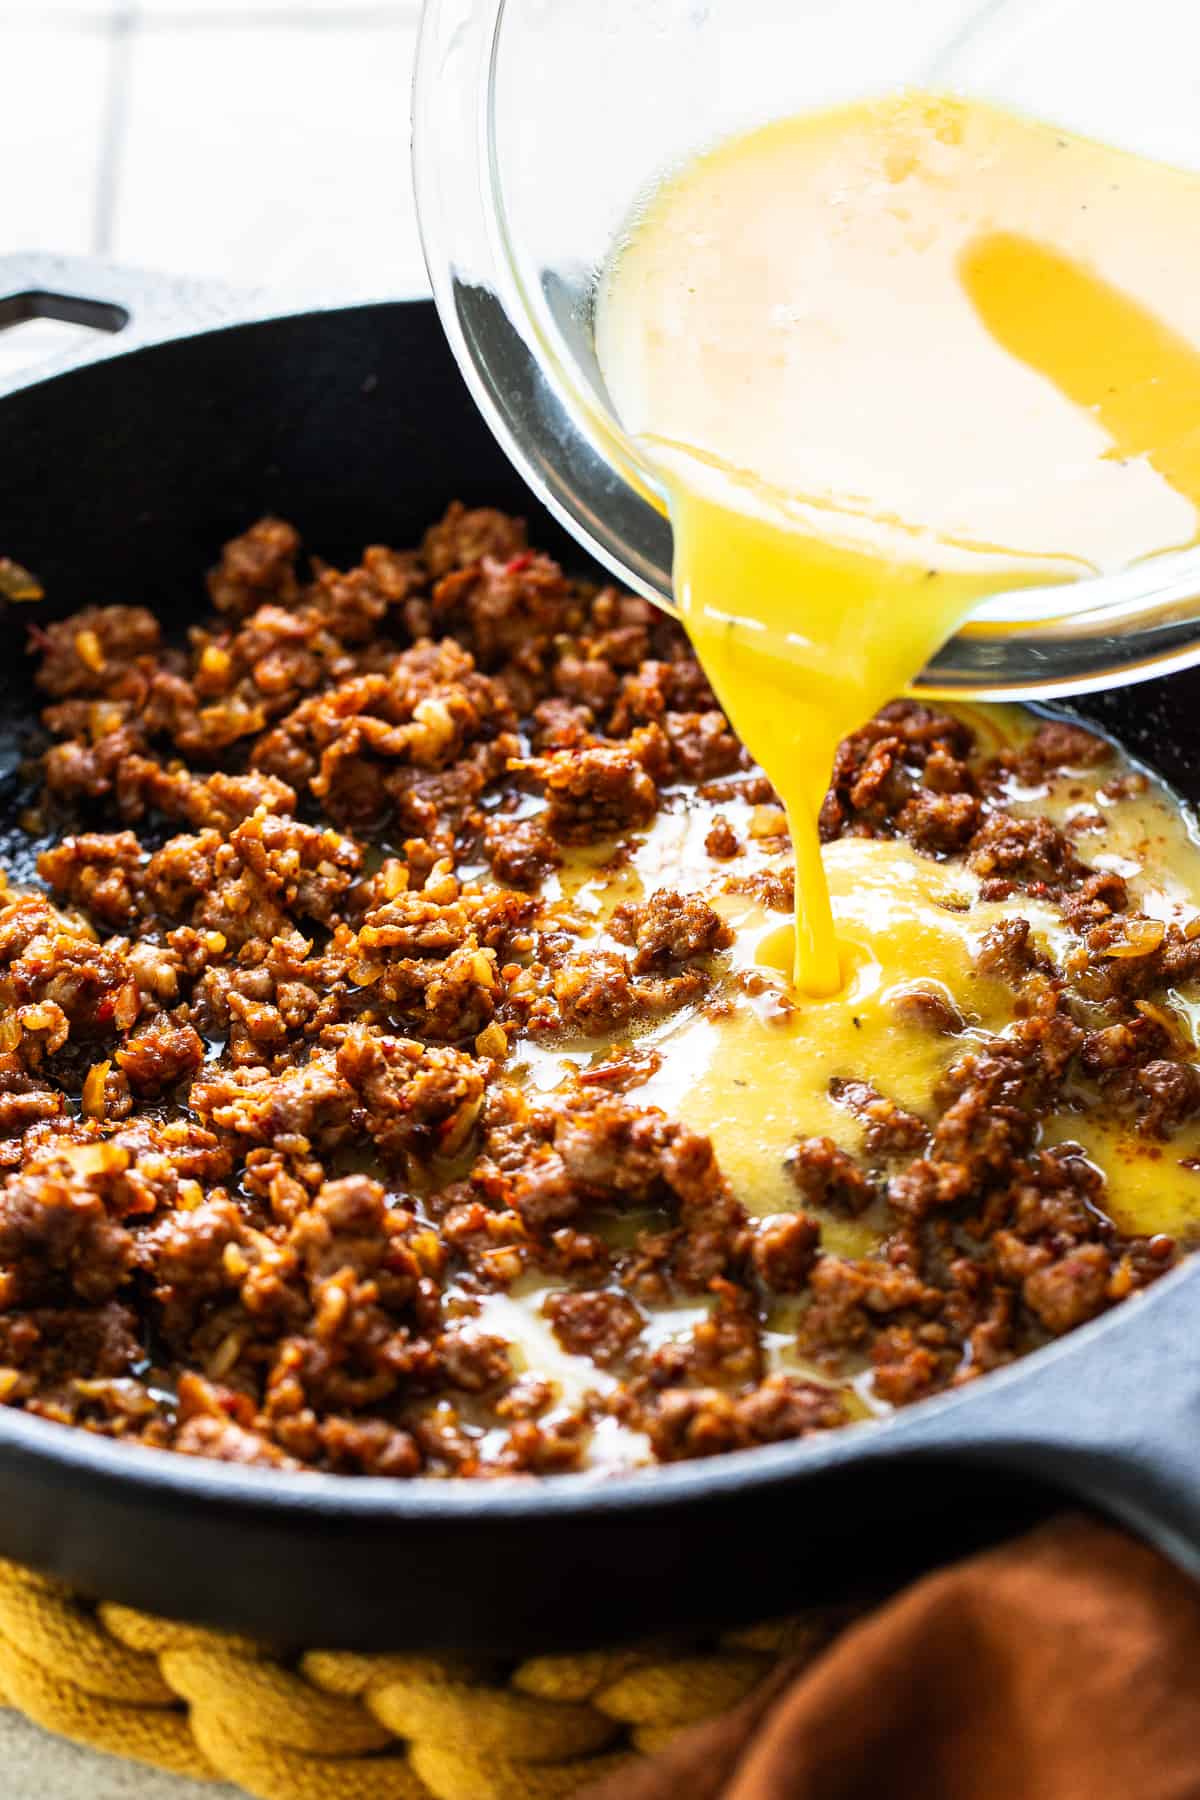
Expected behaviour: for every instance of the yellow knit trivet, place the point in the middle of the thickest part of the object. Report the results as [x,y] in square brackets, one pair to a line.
[333,1725]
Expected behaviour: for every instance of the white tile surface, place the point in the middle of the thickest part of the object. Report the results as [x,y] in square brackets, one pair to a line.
[303,14]
[262,155]
[54,82]
[61,12]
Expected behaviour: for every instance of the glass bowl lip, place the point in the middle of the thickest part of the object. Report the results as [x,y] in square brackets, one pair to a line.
[1149,645]
[541,475]
[598,426]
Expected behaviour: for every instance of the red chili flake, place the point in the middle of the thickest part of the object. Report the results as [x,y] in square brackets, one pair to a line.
[515,566]
[39,639]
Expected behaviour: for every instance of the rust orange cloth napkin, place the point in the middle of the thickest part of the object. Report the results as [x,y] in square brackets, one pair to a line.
[1064,1665]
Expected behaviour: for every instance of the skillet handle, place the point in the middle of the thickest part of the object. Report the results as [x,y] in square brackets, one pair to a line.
[1111,1417]
[125,308]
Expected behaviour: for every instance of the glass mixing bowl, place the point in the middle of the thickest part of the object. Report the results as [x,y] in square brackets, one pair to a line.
[537,123]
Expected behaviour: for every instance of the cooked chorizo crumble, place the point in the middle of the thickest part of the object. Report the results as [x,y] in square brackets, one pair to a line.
[267,1152]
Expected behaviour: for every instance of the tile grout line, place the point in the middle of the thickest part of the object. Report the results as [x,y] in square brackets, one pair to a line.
[113,126]
[222,15]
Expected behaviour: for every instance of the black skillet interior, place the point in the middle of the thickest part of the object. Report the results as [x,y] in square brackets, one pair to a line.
[117,482]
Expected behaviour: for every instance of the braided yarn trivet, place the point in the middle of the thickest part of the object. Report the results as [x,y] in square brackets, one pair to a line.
[333,1725]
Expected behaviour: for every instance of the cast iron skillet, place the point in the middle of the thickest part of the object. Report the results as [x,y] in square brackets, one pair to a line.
[118,481]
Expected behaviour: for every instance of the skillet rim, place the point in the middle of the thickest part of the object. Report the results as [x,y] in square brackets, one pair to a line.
[312,1493]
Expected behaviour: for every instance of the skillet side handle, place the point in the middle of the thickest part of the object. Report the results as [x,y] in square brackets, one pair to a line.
[1158,1498]
[1114,1421]
[125,308]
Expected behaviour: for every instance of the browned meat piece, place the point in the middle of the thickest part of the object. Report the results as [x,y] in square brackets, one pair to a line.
[99,873]
[1122,1046]
[938,823]
[600,1325]
[1008,952]
[465,536]
[1067,1293]
[776,892]
[627,631]
[421,740]
[50,1345]
[1095,900]
[60,1227]
[559,725]
[96,651]
[549,1163]
[223,801]
[352,605]
[76,771]
[631,1156]
[945,772]
[46,961]
[594,992]
[850,1299]
[1025,853]
[180,875]
[906,1367]
[448,1000]
[550,1447]
[669,928]
[510,612]
[1058,744]
[194,1257]
[723,1349]
[594,793]
[207,1435]
[657,688]
[256,567]
[351,1446]
[412,923]
[311,1103]
[930,1009]
[520,851]
[827,1177]
[413,1096]
[588,681]
[160,1054]
[722,840]
[785,1250]
[888,1128]
[878,769]
[473,1360]
[881,784]
[305,870]
[702,745]
[250,884]
[687,1422]
[23,1101]
[1168,1093]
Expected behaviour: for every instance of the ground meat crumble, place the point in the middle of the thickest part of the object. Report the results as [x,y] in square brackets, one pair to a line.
[262,1165]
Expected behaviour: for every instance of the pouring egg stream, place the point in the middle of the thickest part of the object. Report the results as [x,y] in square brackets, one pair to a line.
[887,360]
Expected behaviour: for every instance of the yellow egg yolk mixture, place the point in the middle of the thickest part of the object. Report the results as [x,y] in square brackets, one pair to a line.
[888,360]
